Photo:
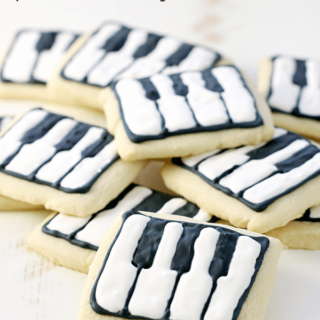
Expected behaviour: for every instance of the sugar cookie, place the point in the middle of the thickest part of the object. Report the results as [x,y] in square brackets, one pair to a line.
[255,187]
[66,165]
[152,266]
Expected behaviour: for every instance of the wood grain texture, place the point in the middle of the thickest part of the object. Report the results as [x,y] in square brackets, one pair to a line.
[31,287]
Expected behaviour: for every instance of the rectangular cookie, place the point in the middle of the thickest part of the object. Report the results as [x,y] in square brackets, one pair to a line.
[258,188]
[292,89]
[186,114]
[65,165]
[151,266]
[30,62]
[72,242]
[116,51]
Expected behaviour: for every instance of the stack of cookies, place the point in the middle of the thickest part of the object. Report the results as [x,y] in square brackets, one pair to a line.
[118,101]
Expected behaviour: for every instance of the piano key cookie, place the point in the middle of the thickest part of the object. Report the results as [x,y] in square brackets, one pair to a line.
[31,61]
[68,166]
[166,116]
[151,266]
[114,51]
[258,188]
[14,108]
[292,89]
[73,241]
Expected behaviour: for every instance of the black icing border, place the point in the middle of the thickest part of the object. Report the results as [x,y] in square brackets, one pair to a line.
[84,81]
[256,207]
[295,112]
[31,80]
[306,217]
[83,189]
[198,128]
[263,241]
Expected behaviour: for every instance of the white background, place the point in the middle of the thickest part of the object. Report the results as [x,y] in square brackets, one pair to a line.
[32,288]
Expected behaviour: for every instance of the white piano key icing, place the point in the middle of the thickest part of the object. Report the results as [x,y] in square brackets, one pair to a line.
[22,58]
[10,141]
[96,229]
[67,224]
[175,110]
[194,286]
[241,269]
[88,168]
[154,286]
[207,106]
[63,161]
[32,156]
[284,93]
[238,100]
[119,273]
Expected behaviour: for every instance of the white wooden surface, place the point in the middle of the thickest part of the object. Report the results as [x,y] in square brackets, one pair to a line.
[32,288]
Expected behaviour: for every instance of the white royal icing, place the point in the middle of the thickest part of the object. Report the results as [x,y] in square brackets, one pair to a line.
[96,229]
[67,224]
[280,182]
[175,109]
[207,106]
[215,165]
[315,212]
[64,161]
[194,286]
[48,60]
[278,132]
[140,113]
[22,58]
[154,62]
[33,155]
[198,59]
[154,285]
[193,160]
[285,93]
[256,170]
[10,142]
[91,53]
[242,267]
[238,100]
[309,103]
[114,62]
[88,168]
[202,216]
[119,273]
[172,206]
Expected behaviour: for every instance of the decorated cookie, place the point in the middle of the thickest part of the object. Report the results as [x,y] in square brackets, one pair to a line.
[114,51]
[151,266]
[186,114]
[31,61]
[66,165]
[255,187]
[72,241]
[292,89]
